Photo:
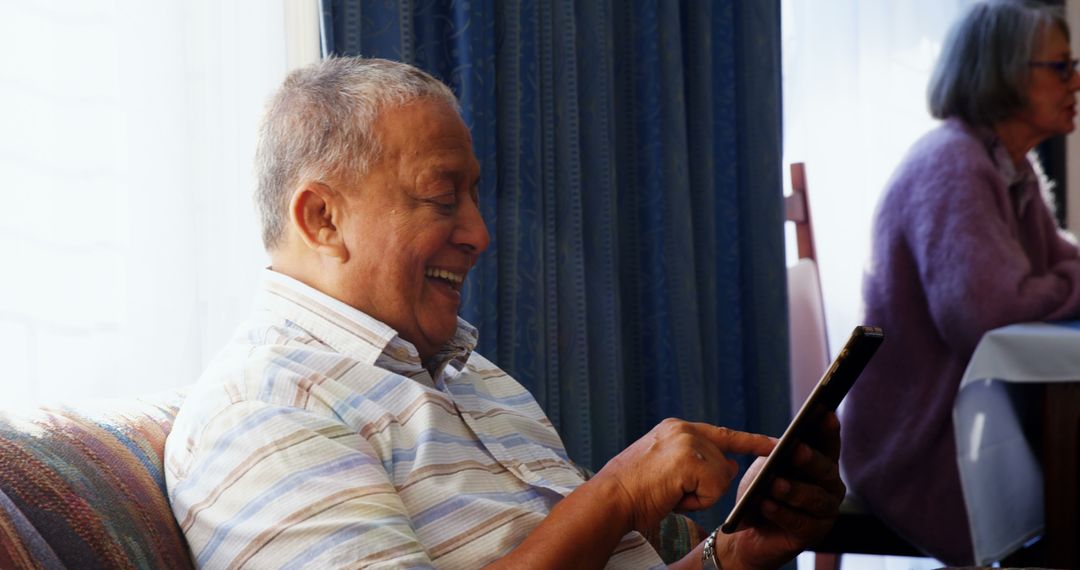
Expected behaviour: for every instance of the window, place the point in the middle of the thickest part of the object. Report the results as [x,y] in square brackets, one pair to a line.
[129,242]
[854,80]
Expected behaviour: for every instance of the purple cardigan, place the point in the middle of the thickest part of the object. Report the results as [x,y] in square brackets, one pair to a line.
[955,254]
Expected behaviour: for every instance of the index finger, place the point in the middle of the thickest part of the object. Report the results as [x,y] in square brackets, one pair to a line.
[733,441]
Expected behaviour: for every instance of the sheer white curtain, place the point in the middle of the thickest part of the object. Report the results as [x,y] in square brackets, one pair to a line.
[127,238]
[854,79]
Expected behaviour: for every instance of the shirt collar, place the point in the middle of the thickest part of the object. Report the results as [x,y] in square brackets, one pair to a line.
[1021,181]
[1007,168]
[353,332]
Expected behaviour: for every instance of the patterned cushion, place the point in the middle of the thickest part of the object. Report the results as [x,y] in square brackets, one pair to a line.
[84,487]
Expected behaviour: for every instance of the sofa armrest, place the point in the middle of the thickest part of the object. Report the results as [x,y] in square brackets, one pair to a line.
[85,488]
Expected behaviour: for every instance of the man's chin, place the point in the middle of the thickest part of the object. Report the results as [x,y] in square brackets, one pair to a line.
[438,334]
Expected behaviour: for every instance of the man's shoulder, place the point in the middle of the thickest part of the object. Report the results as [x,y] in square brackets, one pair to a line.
[264,396]
[293,372]
[275,366]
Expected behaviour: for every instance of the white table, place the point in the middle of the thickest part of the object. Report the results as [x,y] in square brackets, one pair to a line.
[1001,477]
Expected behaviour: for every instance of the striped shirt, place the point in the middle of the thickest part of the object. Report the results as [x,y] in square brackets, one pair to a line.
[317,438]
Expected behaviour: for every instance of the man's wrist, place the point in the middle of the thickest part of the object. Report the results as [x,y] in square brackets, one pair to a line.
[615,497]
[728,556]
[710,559]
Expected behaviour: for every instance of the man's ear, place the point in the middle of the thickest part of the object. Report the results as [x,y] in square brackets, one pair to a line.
[315,211]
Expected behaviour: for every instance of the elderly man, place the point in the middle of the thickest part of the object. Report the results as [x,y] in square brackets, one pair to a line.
[349,423]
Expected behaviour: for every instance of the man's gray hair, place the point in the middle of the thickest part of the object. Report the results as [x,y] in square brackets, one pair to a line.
[982,73]
[319,127]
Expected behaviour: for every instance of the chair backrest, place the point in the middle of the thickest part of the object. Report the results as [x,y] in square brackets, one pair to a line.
[797,211]
[855,530]
[808,339]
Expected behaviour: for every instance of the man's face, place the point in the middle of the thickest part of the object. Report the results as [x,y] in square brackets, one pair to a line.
[413,226]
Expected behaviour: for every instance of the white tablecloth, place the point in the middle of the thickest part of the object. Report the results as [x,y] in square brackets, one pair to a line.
[1000,476]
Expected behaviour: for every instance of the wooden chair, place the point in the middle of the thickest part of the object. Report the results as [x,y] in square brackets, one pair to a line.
[808,339]
[856,531]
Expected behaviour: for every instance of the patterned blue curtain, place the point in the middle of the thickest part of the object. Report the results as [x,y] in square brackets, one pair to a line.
[632,184]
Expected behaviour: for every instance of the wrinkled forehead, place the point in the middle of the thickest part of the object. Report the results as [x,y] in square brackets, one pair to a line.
[413,120]
[424,133]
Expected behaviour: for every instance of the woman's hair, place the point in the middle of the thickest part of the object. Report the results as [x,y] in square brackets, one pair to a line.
[982,73]
[319,126]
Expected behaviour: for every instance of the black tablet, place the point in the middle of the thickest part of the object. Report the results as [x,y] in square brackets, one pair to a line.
[825,397]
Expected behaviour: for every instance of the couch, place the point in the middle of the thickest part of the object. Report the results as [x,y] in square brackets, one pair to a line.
[84,487]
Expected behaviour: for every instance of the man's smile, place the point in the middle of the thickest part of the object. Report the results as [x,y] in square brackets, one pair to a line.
[452,279]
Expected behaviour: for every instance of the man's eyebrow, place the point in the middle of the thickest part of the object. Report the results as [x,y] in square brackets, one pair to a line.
[456,172]
[440,174]
[447,171]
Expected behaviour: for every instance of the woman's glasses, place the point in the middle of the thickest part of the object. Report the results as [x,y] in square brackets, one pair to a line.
[1064,68]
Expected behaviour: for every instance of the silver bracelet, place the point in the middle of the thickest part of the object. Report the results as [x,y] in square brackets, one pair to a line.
[709,560]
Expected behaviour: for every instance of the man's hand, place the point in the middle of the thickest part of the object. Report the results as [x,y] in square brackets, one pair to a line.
[676,466]
[799,510]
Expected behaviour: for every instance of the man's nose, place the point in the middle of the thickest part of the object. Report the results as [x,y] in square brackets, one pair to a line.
[472,232]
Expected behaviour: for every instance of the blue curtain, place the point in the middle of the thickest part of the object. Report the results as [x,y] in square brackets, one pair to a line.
[632,184]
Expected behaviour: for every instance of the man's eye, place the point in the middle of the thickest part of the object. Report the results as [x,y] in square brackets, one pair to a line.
[445,203]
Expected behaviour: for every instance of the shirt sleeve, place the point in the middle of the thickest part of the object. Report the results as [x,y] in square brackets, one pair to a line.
[276,486]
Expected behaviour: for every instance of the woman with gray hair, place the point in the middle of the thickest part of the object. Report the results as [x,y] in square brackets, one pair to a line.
[963,243]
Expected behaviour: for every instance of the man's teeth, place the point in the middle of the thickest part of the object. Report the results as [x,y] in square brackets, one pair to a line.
[444,274]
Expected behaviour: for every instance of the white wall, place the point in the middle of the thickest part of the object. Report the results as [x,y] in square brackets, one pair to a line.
[128,242]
